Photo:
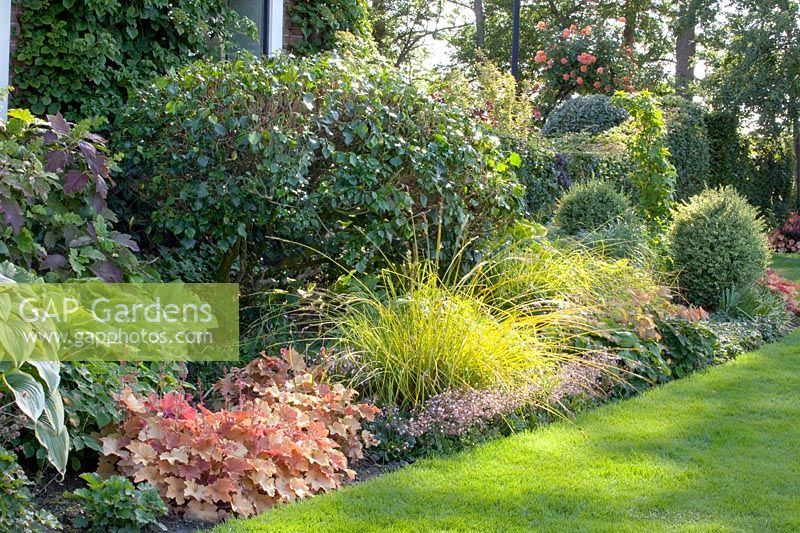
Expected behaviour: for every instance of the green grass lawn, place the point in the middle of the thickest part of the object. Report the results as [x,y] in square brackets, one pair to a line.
[788,265]
[718,451]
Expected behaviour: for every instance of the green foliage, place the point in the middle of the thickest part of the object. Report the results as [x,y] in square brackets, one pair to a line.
[591,114]
[16,507]
[718,243]
[335,152]
[550,167]
[589,206]
[729,162]
[689,346]
[688,142]
[319,22]
[56,181]
[34,385]
[82,58]
[88,390]
[418,334]
[492,96]
[653,174]
[770,185]
[116,505]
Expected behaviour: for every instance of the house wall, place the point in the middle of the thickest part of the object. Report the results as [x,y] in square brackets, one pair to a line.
[291,34]
[16,9]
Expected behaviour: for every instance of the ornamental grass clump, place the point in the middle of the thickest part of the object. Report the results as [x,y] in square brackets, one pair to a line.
[421,333]
[718,243]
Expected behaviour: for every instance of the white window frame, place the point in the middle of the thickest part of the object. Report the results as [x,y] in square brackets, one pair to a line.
[273,27]
[5,53]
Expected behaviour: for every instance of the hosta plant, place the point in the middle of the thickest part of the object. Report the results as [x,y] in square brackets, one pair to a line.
[32,383]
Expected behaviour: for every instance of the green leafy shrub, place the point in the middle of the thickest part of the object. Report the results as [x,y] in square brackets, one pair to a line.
[589,206]
[689,346]
[492,96]
[116,505]
[56,220]
[335,151]
[652,173]
[320,21]
[718,243]
[689,147]
[591,114]
[82,58]
[16,506]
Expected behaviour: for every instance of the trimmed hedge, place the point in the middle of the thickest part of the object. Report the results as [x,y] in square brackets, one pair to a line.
[83,58]
[689,147]
[584,114]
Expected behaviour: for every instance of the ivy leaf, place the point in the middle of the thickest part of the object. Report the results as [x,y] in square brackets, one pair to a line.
[515,160]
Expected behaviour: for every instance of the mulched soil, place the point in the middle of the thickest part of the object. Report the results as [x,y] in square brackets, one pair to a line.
[48,493]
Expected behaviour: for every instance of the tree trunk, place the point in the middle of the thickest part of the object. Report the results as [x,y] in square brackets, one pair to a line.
[685,46]
[629,32]
[379,21]
[480,23]
[796,135]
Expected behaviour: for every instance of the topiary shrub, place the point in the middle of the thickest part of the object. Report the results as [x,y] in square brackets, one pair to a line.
[590,114]
[689,148]
[589,206]
[718,243]
[335,152]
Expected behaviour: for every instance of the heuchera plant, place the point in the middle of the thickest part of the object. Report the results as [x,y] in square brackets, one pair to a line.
[289,437]
[788,290]
[583,60]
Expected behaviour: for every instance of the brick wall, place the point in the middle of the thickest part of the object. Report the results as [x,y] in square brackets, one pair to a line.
[291,34]
[16,8]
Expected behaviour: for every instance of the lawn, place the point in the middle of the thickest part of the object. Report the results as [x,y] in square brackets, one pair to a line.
[788,265]
[713,452]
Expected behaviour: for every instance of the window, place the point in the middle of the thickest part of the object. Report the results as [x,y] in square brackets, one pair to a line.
[268,18]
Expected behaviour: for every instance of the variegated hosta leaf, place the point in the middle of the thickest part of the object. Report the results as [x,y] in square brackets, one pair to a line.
[28,393]
[55,442]
[50,372]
